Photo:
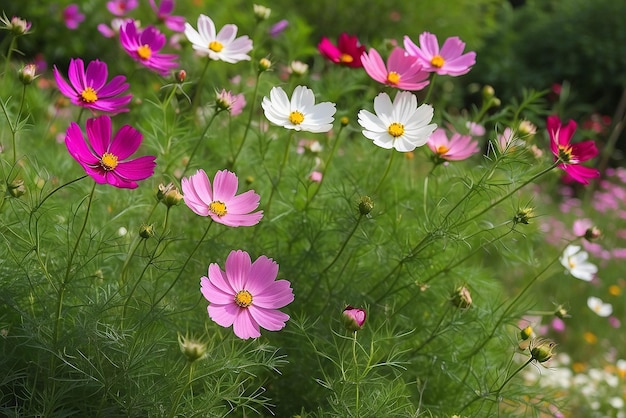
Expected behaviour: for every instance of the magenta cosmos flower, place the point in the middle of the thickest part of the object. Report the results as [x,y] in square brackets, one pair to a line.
[246,295]
[90,88]
[164,14]
[449,60]
[144,46]
[219,202]
[72,16]
[570,155]
[354,318]
[103,156]
[402,71]
[348,51]
[458,147]
[121,7]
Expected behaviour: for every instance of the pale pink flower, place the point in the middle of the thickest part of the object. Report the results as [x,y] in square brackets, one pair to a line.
[72,16]
[121,7]
[246,295]
[450,60]
[402,71]
[164,14]
[316,176]
[475,129]
[458,147]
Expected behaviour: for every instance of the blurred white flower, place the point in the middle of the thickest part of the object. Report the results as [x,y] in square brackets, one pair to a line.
[575,261]
[599,307]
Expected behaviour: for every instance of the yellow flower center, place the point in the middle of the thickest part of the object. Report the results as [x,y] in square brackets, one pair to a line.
[393,78]
[437,61]
[243,298]
[144,52]
[89,95]
[396,129]
[296,117]
[346,58]
[571,263]
[218,208]
[108,161]
[565,154]
[216,46]
[442,149]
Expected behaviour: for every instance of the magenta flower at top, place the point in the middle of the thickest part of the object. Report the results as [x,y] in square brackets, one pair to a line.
[570,155]
[348,51]
[121,7]
[72,16]
[90,88]
[449,60]
[102,156]
[144,46]
[402,71]
[219,201]
[164,14]
[458,147]
[246,295]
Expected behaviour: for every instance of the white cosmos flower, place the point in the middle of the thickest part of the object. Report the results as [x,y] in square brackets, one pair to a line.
[221,46]
[400,125]
[599,307]
[575,261]
[300,113]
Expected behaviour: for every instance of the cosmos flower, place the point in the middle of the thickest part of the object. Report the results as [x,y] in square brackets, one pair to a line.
[450,60]
[164,14]
[570,155]
[458,147]
[353,318]
[348,51]
[102,156]
[90,89]
[300,113]
[219,201]
[575,261]
[400,125]
[600,308]
[402,71]
[223,45]
[233,103]
[72,16]
[144,46]
[246,295]
[121,7]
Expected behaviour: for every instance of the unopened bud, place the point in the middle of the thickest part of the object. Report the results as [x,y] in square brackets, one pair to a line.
[523,216]
[298,68]
[461,298]
[264,64]
[27,74]
[191,348]
[168,195]
[526,333]
[366,205]
[146,231]
[181,76]
[18,26]
[17,188]
[344,121]
[541,349]
[488,92]
[261,12]
[353,318]
[561,312]
[592,233]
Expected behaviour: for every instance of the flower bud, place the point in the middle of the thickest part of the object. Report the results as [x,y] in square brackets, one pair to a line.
[523,216]
[344,121]
[527,129]
[146,231]
[461,298]
[261,12]
[366,205]
[168,195]
[353,318]
[541,350]
[488,92]
[561,312]
[191,348]
[17,25]
[264,64]
[17,188]
[526,333]
[592,233]
[27,74]
[181,76]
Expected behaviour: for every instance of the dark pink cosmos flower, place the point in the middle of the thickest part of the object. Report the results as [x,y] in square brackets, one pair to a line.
[144,46]
[347,52]
[354,318]
[402,71]
[121,7]
[164,14]
[570,155]
[449,60]
[72,16]
[246,295]
[102,156]
[90,88]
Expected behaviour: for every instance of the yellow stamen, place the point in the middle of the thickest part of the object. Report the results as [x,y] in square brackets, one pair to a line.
[108,161]
[437,61]
[218,208]
[565,154]
[346,58]
[89,95]
[296,117]
[243,298]
[442,149]
[144,52]
[393,78]
[215,46]
[396,129]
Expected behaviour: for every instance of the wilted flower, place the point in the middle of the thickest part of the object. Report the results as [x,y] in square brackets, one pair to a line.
[599,307]
[246,295]
[353,318]
[461,297]
[223,45]
[575,261]
[569,156]
[450,60]
[144,46]
[348,51]
[402,71]
[401,125]
[366,204]
[523,216]
[300,113]
[72,16]
[16,188]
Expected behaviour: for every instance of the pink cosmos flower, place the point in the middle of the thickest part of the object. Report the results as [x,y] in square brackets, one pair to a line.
[90,88]
[103,156]
[402,71]
[354,318]
[164,14]
[475,129]
[113,30]
[348,51]
[234,103]
[316,176]
[246,295]
[219,201]
[570,155]
[458,147]
[121,7]
[450,60]
[278,28]
[144,46]
[72,16]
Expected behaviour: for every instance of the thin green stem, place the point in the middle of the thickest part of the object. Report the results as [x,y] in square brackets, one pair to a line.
[196,96]
[54,191]
[133,248]
[326,167]
[430,87]
[7,66]
[387,170]
[199,141]
[280,173]
[357,376]
[183,389]
[250,116]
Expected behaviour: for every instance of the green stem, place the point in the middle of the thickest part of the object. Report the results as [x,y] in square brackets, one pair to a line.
[7,66]
[382,179]
[357,378]
[199,141]
[68,269]
[280,173]
[196,96]
[133,248]
[250,116]
[326,168]
[182,390]
[430,87]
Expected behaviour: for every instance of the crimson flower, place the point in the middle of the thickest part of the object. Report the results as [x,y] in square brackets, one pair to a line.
[103,157]
[569,156]
[347,52]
